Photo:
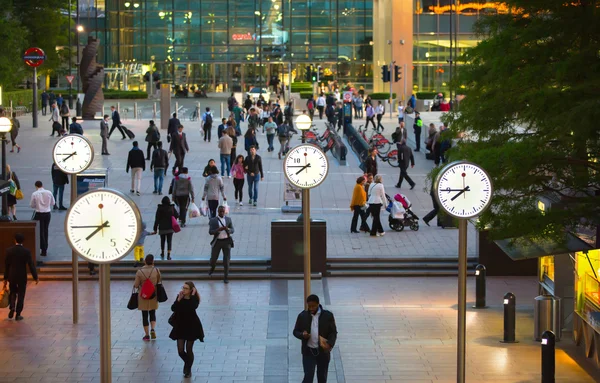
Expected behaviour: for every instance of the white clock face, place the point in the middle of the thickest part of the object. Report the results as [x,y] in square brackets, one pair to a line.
[73,153]
[463,189]
[306,166]
[103,225]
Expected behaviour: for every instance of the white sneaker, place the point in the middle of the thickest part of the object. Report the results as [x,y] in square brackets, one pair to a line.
[382,234]
[241,203]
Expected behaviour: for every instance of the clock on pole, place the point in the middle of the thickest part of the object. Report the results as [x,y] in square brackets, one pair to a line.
[306,166]
[73,153]
[463,190]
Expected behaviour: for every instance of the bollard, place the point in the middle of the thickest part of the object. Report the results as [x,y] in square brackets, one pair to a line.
[177,107]
[154,111]
[222,115]
[119,107]
[11,110]
[509,318]
[135,114]
[548,357]
[480,274]
[103,109]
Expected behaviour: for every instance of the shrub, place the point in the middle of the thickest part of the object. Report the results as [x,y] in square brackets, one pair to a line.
[305,95]
[382,96]
[426,95]
[19,98]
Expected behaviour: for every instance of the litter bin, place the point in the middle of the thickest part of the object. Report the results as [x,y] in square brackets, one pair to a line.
[546,316]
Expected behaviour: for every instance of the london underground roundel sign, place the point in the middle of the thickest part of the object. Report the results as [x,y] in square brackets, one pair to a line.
[34,57]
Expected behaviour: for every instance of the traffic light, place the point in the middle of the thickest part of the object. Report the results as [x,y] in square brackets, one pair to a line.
[319,73]
[313,74]
[385,73]
[397,73]
[308,73]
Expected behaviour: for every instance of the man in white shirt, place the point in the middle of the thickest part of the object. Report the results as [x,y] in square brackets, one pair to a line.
[321,105]
[400,113]
[55,118]
[380,112]
[42,201]
[221,228]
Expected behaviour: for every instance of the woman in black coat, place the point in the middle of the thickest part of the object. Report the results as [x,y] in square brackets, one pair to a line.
[163,224]
[187,327]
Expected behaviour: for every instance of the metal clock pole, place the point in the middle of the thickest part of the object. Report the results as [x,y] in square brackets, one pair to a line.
[462,299]
[75,259]
[105,326]
[306,227]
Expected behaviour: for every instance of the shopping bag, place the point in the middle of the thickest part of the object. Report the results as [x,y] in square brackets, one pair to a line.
[175,224]
[193,211]
[226,206]
[161,294]
[133,300]
[204,208]
[4,298]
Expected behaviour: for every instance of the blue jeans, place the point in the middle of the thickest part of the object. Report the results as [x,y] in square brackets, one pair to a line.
[60,189]
[270,138]
[253,186]
[225,160]
[159,177]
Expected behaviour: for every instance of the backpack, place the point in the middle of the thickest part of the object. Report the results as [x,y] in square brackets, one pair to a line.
[64,109]
[282,131]
[148,291]
[208,118]
[311,105]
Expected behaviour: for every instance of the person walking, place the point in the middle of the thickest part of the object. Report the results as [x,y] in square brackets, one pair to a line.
[436,208]
[14,132]
[283,135]
[59,100]
[231,102]
[253,118]
[400,135]
[417,127]
[55,118]
[376,201]
[41,202]
[75,127]
[152,138]
[183,191]
[405,159]
[316,328]
[59,180]
[221,228]
[250,140]
[248,103]
[371,162]
[174,124]
[238,114]
[163,225]
[288,113]
[357,204]
[159,165]
[65,114]
[400,112]
[15,272]
[207,169]
[225,144]
[149,306]
[179,147]
[310,105]
[138,250]
[104,135]
[234,140]
[238,179]
[330,114]
[321,105]
[44,103]
[370,117]
[412,102]
[11,200]
[221,128]
[339,114]
[116,123]
[254,170]
[213,188]
[270,128]
[207,119]
[380,112]
[137,163]
[187,327]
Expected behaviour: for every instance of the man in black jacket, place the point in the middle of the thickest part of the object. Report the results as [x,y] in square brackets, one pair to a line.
[159,164]
[173,126]
[316,329]
[116,118]
[179,147]
[254,171]
[137,162]
[59,180]
[15,272]
[405,159]
[371,162]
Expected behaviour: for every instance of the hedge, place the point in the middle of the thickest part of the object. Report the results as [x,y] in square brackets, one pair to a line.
[306,95]
[18,97]
[427,95]
[381,96]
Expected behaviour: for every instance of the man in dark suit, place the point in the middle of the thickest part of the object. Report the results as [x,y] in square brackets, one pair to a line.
[315,327]
[15,272]
[221,228]
[405,159]
[104,134]
[179,147]
[116,118]
[173,126]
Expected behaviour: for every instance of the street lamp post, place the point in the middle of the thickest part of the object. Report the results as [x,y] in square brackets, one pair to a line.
[5,127]
[79,30]
[70,60]
[303,122]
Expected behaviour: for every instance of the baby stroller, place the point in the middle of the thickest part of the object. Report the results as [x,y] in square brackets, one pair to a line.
[400,213]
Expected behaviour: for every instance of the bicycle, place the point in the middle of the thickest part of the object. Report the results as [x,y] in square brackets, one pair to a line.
[195,115]
[376,140]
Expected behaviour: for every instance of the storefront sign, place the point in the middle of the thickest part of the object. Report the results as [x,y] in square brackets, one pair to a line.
[87,182]
[242,37]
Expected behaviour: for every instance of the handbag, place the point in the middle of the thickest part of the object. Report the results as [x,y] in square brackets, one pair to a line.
[19,194]
[175,224]
[4,301]
[408,110]
[172,319]
[133,300]
[161,294]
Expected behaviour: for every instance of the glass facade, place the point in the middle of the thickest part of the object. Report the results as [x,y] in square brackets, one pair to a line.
[227,45]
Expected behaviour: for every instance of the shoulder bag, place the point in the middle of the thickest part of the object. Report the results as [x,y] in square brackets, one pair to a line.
[161,294]
[228,236]
[133,300]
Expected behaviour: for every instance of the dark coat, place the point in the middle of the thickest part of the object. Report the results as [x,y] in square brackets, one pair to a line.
[179,145]
[162,219]
[116,118]
[327,328]
[187,325]
[371,165]
[249,141]
[59,177]
[254,166]
[160,159]
[406,157]
[136,159]
[152,134]
[75,128]
[16,262]
[173,125]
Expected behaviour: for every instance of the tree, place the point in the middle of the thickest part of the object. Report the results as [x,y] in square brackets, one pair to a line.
[532,112]
[14,44]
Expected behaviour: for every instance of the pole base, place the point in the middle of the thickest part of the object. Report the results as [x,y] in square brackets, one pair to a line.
[479,308]
[509,341]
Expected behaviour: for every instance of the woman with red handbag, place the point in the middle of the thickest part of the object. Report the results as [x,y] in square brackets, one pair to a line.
[165,223]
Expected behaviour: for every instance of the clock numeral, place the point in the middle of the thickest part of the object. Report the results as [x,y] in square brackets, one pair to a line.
[113,243]
[296,160]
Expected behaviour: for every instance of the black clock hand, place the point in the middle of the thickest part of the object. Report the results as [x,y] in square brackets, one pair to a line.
[87,227]
[105,224]
[296,166]
[69,156]
[459,193]
[451,190]
[304,167]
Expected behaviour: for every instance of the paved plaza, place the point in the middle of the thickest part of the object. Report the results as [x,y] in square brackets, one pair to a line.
[389,330]
[329,201]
